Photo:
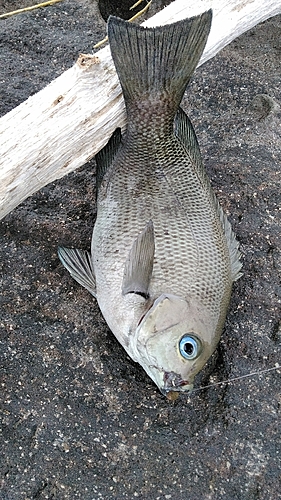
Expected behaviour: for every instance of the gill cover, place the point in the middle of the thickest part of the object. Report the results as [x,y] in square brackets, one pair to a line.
[173,340]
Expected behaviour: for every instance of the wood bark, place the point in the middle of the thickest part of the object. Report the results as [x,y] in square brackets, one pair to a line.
[69,121]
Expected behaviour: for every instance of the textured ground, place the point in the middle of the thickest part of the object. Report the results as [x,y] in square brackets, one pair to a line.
[79,419]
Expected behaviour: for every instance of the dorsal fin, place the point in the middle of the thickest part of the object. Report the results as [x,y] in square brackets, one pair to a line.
[139,264]
[232,243]
[105,156]
[79,265]
[185,132]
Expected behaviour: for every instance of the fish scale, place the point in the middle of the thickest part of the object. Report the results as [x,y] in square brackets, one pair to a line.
[163,255]
[180,214]
[204,274]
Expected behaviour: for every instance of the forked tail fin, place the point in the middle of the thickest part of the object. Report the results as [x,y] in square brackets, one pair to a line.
[157,61]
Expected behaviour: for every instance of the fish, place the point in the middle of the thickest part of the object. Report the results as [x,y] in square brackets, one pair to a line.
[163,254]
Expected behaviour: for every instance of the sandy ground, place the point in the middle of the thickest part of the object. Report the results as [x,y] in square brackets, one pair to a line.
[80,420]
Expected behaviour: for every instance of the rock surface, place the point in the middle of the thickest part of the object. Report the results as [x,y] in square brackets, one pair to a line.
[80,420]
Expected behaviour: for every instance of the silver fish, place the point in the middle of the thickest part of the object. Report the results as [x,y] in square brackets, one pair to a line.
[163,256]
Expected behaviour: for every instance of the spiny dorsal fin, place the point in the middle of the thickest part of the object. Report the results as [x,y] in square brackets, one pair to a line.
[232,243]
[79,265]
[185,132]
[105,156]
[139,264]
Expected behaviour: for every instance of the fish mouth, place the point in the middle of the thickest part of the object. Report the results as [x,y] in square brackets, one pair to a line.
[173,382]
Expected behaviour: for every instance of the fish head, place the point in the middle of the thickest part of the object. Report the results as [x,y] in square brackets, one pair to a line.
[173,341]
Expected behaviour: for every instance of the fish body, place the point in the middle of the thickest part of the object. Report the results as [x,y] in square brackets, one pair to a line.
[163,255]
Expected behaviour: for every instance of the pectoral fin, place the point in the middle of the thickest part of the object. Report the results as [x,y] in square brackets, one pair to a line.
[79,265]
[139,264]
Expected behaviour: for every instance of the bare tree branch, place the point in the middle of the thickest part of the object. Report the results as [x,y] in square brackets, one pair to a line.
[68,122]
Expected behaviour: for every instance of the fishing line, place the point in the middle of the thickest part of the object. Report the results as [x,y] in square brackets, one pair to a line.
[276,367]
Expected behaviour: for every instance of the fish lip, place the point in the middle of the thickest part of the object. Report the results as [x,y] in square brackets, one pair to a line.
[174,383]
[166,390]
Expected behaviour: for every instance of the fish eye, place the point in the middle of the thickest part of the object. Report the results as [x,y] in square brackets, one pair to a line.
[189,346]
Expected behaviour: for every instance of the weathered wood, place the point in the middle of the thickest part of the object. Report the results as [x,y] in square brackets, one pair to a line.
[68,122]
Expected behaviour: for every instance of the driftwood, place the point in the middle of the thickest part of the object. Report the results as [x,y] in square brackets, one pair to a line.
[68,122]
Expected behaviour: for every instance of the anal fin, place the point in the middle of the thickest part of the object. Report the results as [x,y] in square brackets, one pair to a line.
[139,264]
[79,265]
[105,156]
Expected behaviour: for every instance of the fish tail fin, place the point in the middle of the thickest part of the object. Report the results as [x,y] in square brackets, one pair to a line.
[157,62]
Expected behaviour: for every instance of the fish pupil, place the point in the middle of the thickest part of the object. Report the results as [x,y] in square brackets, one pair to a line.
[188,348]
